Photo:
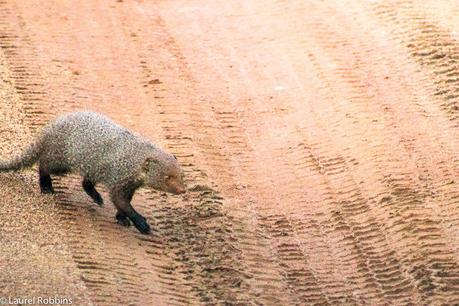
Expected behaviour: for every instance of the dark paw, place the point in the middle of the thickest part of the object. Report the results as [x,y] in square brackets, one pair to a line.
[47,190]
[99,201]
[141,224]
[122,219]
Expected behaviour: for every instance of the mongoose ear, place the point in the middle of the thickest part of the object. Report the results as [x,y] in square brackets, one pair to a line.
[149,161]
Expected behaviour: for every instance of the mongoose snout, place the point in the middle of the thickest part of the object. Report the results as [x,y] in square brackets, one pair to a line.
[180,191]
[175,184]
[103,152]
[164,173]
[176,190]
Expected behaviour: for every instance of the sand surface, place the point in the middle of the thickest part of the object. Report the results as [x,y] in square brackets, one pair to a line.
[320,139]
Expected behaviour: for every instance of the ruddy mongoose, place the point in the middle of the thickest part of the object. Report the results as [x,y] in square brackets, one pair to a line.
[103,152]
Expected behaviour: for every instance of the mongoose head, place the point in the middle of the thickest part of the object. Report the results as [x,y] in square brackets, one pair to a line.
[162,172]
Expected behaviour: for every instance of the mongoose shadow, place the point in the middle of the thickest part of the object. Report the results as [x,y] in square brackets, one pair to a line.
[101,151]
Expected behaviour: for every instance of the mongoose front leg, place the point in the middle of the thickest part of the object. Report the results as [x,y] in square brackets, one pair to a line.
[88,186]
[122,218]
[46,185]
[121,198]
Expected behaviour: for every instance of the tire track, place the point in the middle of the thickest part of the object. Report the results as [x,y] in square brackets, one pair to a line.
[234,146]
[446,140]
[435,53]
[237,145]
[111,276]
[432,46]
[334,170]
[25,73]
[288,263]
[32,259]
[420,193]
[115,272]
[222,279]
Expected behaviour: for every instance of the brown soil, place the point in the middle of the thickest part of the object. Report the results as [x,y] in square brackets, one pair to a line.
[319,140]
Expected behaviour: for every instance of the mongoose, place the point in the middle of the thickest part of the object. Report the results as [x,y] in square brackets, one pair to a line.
[103,152]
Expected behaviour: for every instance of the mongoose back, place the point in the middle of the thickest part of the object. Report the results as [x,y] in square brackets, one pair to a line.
[103,152]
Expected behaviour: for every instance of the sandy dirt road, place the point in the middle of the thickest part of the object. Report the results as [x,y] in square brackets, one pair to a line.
[320,139]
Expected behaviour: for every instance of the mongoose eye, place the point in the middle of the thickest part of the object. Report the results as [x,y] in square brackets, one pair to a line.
[175,157]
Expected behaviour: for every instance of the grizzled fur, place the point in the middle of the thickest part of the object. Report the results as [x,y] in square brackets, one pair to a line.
[102,152]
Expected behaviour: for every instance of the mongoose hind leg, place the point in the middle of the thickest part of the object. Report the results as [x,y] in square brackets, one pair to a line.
[121,198]
[90,189]
[46,185]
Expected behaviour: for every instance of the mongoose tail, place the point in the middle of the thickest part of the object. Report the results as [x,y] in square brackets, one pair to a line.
[26,159]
